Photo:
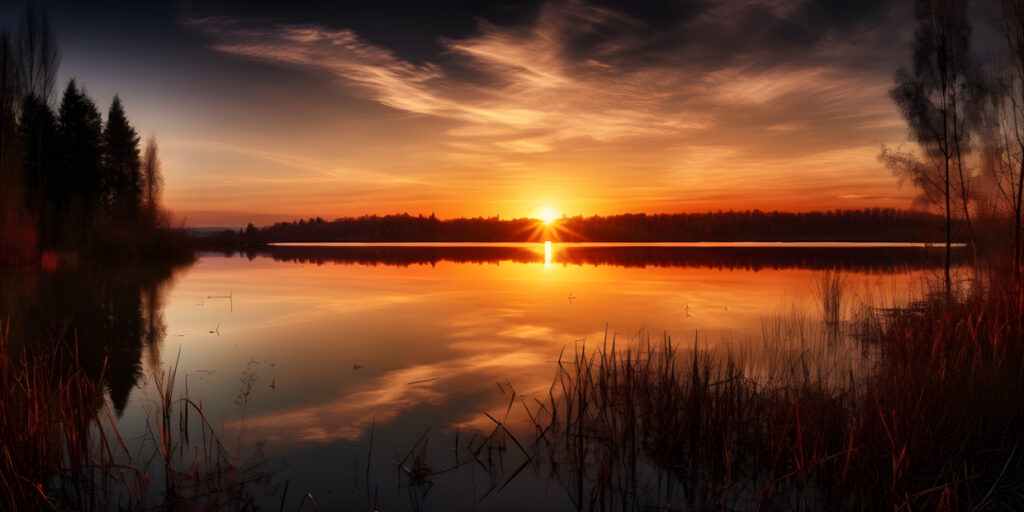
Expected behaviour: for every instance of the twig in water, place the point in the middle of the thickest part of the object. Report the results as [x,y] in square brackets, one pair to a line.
[422,381]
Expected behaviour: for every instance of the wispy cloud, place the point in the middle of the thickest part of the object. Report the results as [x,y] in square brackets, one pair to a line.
[568,75]
[731,96]
[385,398]
[317,170]
[525,94]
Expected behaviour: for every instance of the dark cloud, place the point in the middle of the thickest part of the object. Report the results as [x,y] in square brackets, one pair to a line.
[707,35]
[832,16]
[412,29]
[659,15]
[698,33]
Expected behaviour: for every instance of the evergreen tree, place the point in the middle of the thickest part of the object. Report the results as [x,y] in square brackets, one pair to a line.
[121,167]
[37,126]
[80,130]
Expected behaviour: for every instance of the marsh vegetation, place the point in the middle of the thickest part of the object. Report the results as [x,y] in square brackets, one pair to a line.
[914,408]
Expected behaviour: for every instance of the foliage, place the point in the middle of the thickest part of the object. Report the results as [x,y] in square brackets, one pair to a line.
[70,182]
[875,224]
[939,99]
[121,166]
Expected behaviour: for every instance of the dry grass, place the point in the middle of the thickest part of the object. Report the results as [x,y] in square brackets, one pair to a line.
[921,410]
[60,448]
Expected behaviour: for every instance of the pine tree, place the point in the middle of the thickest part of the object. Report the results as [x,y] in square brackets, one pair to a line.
[80,129]
[37,126]
[121,165]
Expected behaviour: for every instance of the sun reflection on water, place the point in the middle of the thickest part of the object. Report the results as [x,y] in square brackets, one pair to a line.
[467,325]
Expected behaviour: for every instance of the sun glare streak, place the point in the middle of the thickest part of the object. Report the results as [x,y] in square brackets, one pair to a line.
[547,255]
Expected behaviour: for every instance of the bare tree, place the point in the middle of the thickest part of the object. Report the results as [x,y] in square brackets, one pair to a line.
[38,53]
[30,60]
[152,176]
[10,95]
[937,98]
[1006,146]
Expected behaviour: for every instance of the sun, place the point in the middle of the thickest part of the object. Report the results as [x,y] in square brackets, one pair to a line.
[548,214]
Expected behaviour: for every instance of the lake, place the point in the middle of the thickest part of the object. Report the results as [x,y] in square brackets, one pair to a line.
[330,363]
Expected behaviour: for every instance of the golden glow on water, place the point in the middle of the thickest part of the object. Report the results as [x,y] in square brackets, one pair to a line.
[346,343]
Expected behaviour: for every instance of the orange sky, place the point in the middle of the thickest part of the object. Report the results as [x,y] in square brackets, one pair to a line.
[581,107]
[581,136]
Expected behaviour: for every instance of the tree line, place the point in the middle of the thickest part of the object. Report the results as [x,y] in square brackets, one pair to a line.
[870,224]
[69,179]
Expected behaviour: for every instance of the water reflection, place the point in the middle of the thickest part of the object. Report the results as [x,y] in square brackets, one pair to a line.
[117,314]
[326,342]
[464,325]
[858,258]
[114,313]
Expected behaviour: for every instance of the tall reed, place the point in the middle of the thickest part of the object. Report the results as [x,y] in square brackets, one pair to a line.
[60,447]
[920,410]
[48,411]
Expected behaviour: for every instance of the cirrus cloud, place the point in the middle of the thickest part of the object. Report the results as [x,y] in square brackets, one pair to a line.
[736,98]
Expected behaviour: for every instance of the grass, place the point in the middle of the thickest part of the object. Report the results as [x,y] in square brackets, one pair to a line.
[47,409]
[917,408]
[60,448]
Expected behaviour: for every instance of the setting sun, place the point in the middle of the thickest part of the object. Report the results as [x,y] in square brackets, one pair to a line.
[548,214]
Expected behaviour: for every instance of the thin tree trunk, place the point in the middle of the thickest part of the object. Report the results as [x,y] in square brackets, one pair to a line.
[1017,221]
[949,234]
[949,209]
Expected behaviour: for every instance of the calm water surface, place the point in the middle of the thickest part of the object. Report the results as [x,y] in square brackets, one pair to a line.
[307,349]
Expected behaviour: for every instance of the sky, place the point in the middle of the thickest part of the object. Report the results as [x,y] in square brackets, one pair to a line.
[268,111]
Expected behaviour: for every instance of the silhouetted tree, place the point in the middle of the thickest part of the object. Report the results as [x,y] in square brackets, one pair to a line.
[937,98]
[28,67]
[121,165]
[81,147]
[875,224]
[10,94]
[38,128]
[38,54]
[78,181]
[1006,150]
[152,176]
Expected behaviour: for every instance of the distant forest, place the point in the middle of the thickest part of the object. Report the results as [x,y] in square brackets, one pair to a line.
[70,181]
[870,224]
